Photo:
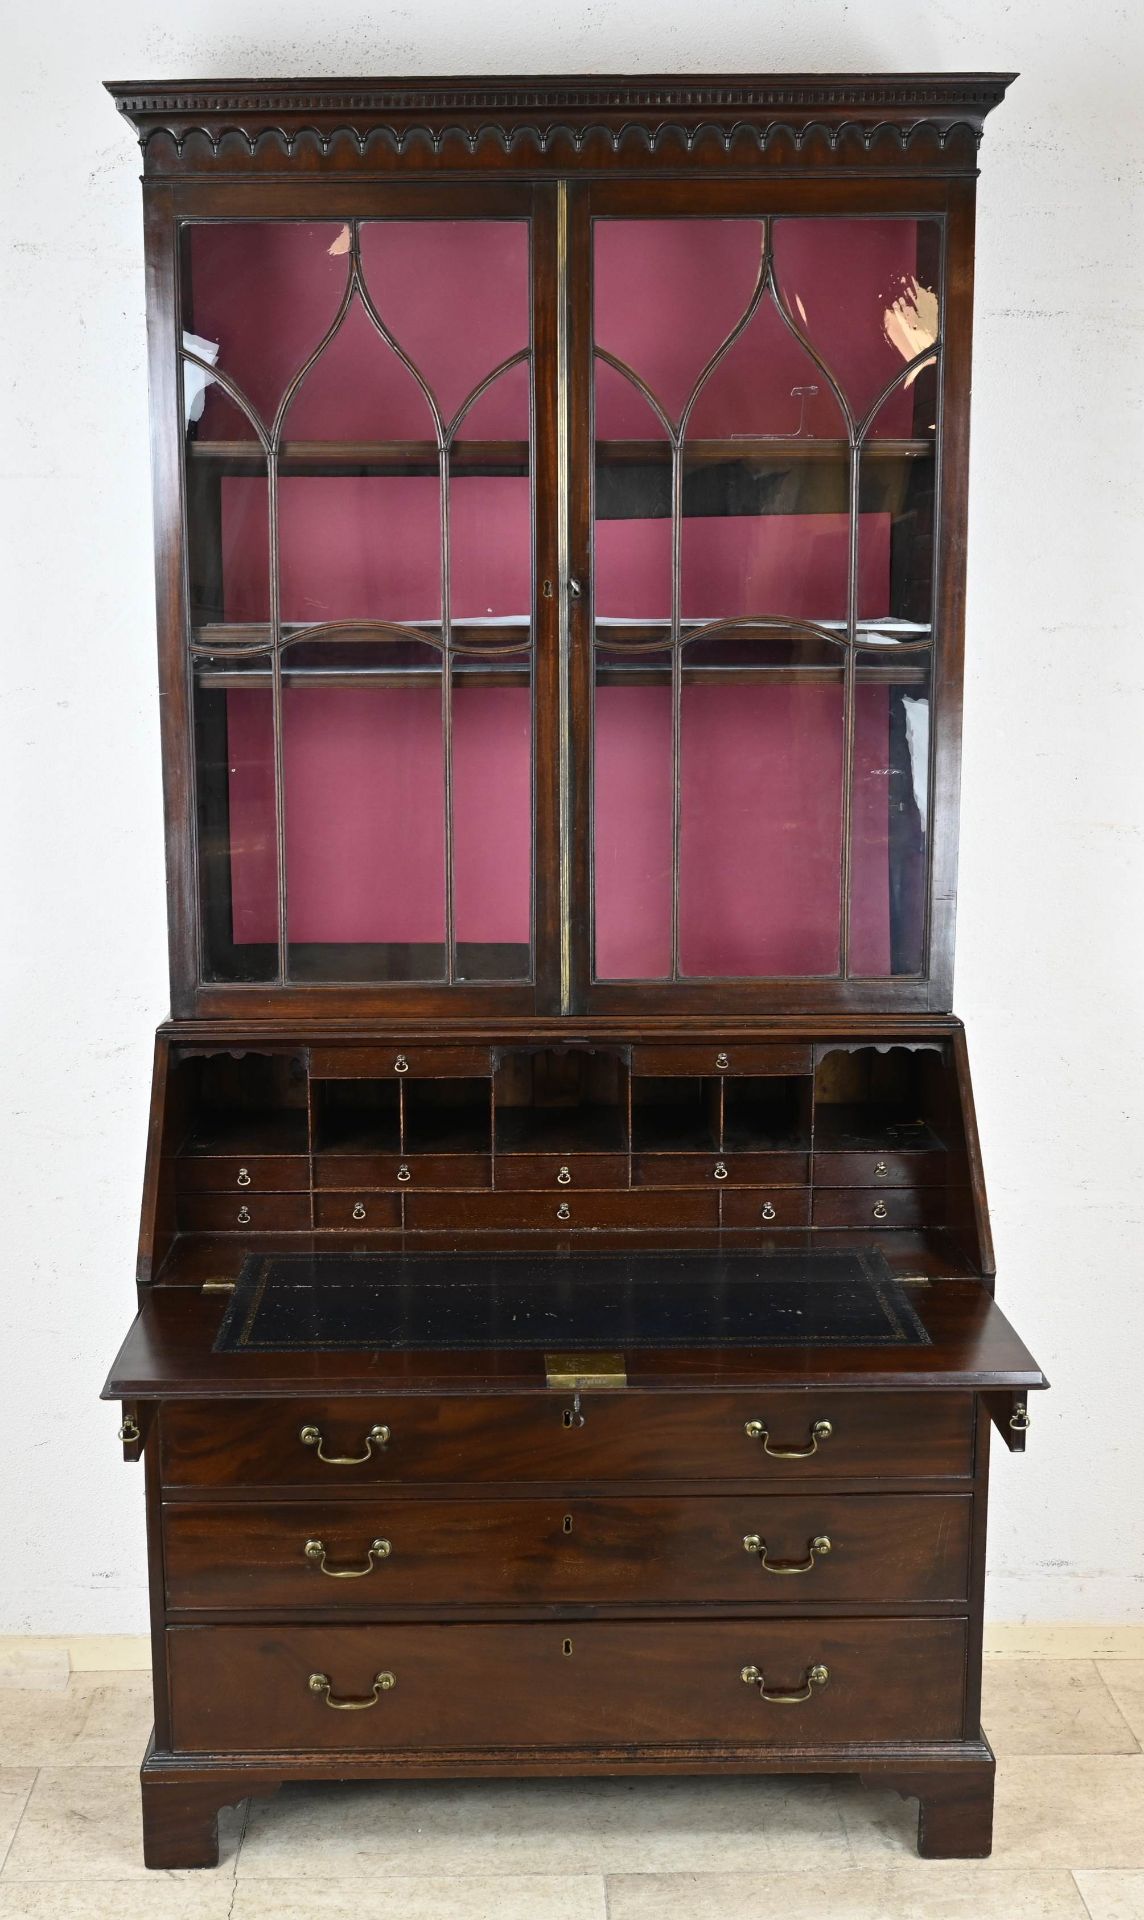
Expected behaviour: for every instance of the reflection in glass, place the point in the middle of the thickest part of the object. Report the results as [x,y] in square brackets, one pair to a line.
[761,755]
[266,291]
[896,501]
[889,811]
[866,295]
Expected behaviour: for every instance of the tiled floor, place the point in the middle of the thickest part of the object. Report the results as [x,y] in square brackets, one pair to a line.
[1069,1836]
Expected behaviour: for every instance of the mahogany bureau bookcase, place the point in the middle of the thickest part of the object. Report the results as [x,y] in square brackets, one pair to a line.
[566,1337]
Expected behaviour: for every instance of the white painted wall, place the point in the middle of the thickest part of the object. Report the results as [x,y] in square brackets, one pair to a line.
[1054,806]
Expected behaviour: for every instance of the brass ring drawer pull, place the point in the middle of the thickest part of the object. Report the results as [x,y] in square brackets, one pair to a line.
[766,1211]
[383,1683]
[358,1210]
[243,1177]
[401,1064]
[753,1544]
[881,1170]
[821,1430]
[881,1210]
[816,1676]
[720,1170]
[564,1211]
[404,1174]
[722,1061]
[243,1216]
[376,1437]
[315,1552]
[564,1177]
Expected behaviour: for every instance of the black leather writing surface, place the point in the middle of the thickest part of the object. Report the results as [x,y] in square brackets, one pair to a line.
[583,1302]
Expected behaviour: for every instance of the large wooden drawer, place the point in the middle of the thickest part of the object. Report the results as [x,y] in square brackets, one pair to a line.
[511,1212]
[613,1435]
[255,1689]
[358,1555]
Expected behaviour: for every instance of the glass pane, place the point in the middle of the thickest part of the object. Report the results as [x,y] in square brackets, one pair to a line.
[632,573]
[228,515]
[454,294]
[492,815]
[259,295]
[632,798]
[765,535]
[889,811]
[761,750]
[234,776]
[866,294]
[667,294]
[490,547]
[896,498]
[363,773]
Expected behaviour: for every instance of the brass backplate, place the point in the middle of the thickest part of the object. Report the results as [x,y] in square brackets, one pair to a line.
[581,1370]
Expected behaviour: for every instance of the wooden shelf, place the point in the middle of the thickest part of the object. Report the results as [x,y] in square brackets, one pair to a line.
[511,457]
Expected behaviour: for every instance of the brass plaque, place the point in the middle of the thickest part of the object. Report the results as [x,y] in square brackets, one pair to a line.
[581,1370]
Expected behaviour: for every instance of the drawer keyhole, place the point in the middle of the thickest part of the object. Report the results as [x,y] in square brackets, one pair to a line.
[567,1523]
[566,1649]
[572,1416]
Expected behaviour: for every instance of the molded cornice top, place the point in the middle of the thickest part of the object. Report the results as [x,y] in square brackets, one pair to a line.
[557,122]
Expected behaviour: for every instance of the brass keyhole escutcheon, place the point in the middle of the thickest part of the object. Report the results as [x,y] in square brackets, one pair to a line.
[766,1211]
[572,1416]
[567,1523]
[566,1649]
[358,1211]
[243,1177]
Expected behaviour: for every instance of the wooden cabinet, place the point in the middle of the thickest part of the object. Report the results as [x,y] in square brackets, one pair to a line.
[560,528]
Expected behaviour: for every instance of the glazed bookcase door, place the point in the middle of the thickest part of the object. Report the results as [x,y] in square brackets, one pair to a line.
[759,417]
[367,651]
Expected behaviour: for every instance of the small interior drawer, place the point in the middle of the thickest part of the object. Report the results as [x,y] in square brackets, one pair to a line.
[766,1207]
[722,1057]
[559,1209]
[525,1172]
[364,1212]
[244,1212]
[880,1207]
[236,1173]
[398,1062]
[924,1169]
